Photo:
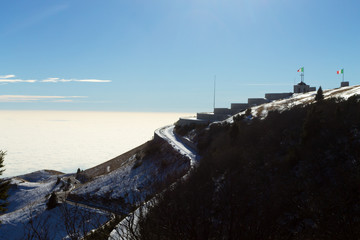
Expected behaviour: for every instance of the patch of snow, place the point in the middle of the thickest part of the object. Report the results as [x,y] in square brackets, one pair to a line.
[37,176]
[131,183]
[23,193]
[15,225]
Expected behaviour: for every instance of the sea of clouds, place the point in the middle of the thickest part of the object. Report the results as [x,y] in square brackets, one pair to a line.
[68,140]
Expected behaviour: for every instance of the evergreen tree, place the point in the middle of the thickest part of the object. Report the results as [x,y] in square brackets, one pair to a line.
[4,185]
[52,203]
[319,95]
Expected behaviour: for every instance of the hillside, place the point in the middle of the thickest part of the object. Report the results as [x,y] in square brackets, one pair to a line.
[289,170]
[112,188]
[300,99]
[285,169]
[136,179]
[28,218]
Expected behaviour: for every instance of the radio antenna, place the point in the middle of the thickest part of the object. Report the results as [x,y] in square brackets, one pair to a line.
[214,89]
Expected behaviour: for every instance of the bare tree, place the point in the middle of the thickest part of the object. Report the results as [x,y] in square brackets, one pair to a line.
[37,227]
[79,221]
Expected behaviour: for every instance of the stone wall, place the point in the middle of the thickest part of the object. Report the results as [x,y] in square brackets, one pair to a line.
[187,121]
[211,117]
[222,111]
[277,96]
[238,107]
[257,101]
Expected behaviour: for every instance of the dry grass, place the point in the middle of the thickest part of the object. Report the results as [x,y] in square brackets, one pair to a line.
[259,111]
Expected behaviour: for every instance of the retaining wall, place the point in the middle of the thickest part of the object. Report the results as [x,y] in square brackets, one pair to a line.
[211,117]
[187,121]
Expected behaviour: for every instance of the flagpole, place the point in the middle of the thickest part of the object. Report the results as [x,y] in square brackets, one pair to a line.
[303,73]
[343,74]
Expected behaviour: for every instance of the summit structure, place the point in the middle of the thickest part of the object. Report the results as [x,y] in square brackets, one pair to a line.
[220,114]
[302,87]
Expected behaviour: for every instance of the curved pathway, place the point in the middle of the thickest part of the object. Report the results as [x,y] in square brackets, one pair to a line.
[167,133]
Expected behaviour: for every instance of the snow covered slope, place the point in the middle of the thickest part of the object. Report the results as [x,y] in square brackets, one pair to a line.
[299,98]
[27,212]
[136,179]
[28,189]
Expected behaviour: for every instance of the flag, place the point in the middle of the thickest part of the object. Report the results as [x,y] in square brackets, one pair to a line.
[340,71]
[301,69]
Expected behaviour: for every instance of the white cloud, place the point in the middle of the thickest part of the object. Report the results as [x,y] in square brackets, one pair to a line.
[10,78]
[7,76]
[51,80]
[92,80]
[55,80]
[31,98]
[16,80]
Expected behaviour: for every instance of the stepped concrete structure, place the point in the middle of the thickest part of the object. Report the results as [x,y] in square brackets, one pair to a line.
[238,107]
[277,96]
[220,114]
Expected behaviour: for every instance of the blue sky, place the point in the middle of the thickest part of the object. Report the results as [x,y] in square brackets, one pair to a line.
[162,55]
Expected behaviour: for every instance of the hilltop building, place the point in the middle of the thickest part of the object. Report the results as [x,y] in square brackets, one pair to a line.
[302,87]
[344,84]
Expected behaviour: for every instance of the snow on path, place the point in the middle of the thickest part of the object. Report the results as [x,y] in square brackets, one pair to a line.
[167,133]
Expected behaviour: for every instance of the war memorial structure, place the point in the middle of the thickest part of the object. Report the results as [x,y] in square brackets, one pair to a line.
[220,114]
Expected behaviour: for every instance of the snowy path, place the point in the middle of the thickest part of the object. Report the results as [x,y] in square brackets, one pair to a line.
[167,133]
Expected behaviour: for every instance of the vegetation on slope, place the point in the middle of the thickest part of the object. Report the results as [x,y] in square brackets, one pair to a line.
[293,175]
[4,185]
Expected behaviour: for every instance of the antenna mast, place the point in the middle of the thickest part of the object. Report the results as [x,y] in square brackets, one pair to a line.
[214,90]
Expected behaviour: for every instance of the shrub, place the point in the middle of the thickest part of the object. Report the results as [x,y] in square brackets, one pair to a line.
[152,147]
